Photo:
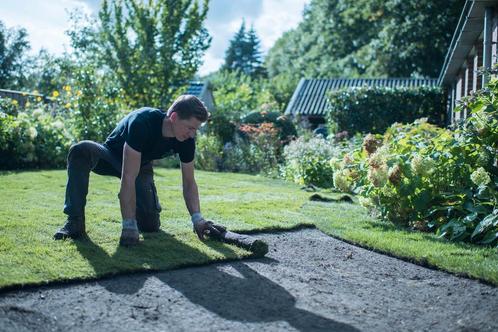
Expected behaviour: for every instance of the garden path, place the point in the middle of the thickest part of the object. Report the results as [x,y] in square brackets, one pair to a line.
[308,282]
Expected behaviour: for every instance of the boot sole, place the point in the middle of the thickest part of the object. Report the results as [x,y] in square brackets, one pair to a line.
[63,236]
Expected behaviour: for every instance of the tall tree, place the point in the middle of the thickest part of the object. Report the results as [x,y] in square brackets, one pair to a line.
[254,61]
[234,55]
[377,38]
[13,47]
[244,53]
[152,48]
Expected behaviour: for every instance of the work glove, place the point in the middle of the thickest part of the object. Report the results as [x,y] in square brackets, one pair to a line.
[203,227]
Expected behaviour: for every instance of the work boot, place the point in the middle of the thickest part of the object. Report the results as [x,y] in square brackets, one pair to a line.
[129,237]
[73,228]
[129,233]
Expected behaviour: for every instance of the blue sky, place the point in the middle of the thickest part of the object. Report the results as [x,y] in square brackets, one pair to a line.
[46,21]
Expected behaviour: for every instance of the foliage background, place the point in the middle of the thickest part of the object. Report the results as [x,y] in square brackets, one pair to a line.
[374,109]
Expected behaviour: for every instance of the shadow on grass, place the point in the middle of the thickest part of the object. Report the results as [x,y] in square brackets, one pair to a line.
[149,255]
[253,298]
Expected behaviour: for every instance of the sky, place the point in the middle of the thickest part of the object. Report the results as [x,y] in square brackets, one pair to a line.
[46,21]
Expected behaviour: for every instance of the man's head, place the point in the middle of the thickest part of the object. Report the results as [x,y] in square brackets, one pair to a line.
[187,113]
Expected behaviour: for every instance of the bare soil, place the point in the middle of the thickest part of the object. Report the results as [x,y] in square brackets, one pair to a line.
[307,282]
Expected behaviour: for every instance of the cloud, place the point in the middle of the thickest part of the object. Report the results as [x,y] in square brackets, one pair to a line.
[276,18]
[45,21]
[271,18]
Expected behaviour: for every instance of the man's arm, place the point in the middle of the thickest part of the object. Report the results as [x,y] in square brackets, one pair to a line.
[190,191]
[129,173]
[191,196]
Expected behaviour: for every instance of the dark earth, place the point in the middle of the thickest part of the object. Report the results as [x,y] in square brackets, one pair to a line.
[307,282]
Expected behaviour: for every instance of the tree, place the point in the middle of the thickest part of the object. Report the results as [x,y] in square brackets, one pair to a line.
[48,72]
[151,48]
[244,54]
[234,55]
[375,38]
[13,47]
[254,62]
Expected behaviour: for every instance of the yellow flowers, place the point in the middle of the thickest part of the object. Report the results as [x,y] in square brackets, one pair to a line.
[14,102]
[79,93]
[68,105]
[67,88]
[38,99]
[55,94]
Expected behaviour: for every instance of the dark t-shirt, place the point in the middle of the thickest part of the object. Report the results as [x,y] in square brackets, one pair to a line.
[142,130]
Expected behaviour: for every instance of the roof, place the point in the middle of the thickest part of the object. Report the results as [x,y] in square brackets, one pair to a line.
[196,88]
[469,28]
[310,95]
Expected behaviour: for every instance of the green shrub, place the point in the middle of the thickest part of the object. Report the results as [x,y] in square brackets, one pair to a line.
[255,149]
[284,124]
[36,140]
[93,104]
[208,153]
[432,179]
[221,126]
[374,109]
[307,161]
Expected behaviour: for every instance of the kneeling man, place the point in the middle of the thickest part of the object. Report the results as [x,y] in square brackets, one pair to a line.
[139,138]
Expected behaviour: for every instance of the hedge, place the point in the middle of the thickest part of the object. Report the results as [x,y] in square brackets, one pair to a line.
[374,109]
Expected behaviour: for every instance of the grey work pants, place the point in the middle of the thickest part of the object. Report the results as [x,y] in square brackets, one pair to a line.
[87,156]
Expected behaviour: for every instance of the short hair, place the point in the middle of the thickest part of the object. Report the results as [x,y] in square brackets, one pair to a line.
[187,106]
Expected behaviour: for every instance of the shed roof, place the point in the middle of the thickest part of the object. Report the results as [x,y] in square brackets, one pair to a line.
[196,88]
[310,98]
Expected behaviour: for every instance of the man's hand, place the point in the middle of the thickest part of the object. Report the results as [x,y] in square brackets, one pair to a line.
[203,227]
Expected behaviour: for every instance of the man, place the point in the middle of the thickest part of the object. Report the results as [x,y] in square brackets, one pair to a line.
[142,136]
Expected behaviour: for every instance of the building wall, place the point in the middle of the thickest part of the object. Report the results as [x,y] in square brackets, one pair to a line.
[469,80]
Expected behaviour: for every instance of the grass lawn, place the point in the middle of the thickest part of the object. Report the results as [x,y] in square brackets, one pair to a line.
[31,210]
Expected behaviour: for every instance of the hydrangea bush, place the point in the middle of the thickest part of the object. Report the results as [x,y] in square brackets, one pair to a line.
[33,140]
[307,161]
[420,175]
[429,178]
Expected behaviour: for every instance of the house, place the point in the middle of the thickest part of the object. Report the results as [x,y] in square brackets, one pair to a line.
[309,102]
[473,46]
[204,92]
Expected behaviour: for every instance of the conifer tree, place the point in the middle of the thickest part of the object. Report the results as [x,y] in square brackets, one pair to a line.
[244,54]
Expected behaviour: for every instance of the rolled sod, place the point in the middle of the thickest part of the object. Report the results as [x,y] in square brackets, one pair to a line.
[258,247]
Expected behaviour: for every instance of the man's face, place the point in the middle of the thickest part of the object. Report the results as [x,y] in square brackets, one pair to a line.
[185,129]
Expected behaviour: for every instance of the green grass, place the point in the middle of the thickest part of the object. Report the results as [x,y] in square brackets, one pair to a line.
[31,210]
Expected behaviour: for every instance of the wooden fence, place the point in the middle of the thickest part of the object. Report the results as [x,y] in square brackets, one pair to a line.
[23,97]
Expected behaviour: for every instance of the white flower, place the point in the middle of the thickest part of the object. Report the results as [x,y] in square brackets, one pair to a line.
[379,157]
[378,175]
[341,181]
[422,166]
[335,163]
[58,124]
[480,177]
[32,133]
[366,202]
[37,113]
